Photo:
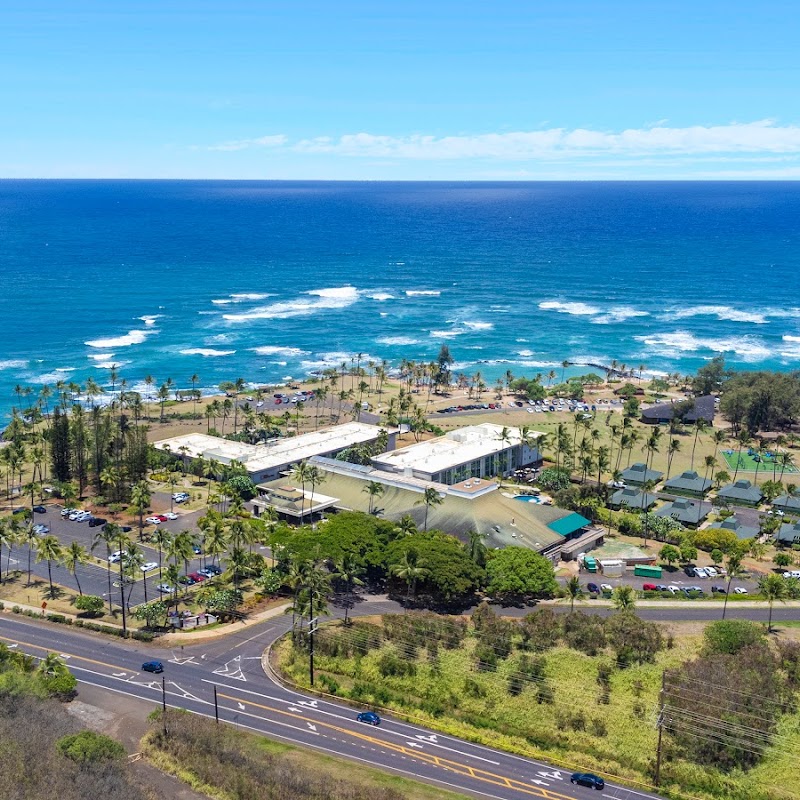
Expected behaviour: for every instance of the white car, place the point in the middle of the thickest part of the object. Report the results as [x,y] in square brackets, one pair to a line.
[153,521]
[165,588]
[148,566]
[711,572]
[740,590]
[673,589]
[67,511]
[116,557]
[260,404]
[74,515]
[700,572]
[171,515]
[606,587]
[793,574]
[83,516]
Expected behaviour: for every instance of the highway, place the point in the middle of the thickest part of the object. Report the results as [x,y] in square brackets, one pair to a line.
[249,698]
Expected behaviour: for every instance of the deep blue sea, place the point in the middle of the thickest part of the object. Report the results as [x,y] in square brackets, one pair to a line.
[271,280]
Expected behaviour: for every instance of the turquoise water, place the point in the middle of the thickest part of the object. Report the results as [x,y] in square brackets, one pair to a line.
[272,280]
[526,498]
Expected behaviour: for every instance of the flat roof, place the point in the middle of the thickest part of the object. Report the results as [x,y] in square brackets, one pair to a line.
[275,453]
[455,447]
[569,524]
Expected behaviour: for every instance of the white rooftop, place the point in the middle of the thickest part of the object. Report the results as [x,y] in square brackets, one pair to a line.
[260,457]
[454,448]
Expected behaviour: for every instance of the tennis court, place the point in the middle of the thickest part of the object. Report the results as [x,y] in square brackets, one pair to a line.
[747,462]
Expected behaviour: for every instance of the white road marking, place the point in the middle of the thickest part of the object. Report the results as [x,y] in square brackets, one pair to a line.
[553,774]
[234,672]
[311,726]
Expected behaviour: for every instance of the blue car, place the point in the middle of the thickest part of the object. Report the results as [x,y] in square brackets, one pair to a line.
[587,779]
[593,588]
[370,717]
[152,666]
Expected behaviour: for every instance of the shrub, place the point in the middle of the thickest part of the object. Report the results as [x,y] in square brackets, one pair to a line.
[88,747]
[90,605]
[584,632]
[633,639]
[485,658]
[391,665]
[541,630]
[731,635]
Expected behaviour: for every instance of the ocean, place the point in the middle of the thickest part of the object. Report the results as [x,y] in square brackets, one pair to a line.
[272,280]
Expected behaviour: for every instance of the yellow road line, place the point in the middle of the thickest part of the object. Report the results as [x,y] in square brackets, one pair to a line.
[71,655]
[445,763]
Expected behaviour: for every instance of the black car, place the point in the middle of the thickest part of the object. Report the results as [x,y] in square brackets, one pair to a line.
[126,529]
[153,666]
[40,509]
[95,522]
[587,779]
[188,580]
[370,717]
[718,590]
[593,588]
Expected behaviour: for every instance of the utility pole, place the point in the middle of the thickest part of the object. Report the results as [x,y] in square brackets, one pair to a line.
[312,622]
[216,705]
[164,704]
[660,726]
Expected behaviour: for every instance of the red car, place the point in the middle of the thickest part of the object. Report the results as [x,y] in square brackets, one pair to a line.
[197,576]
[162,517]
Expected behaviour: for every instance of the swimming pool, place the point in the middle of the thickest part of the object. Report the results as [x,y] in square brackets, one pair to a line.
[528,498]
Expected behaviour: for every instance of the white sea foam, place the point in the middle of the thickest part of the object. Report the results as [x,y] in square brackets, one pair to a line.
[379,296]
[479,326]
[206,351]
[111,364]
[538,364]
[525,353]
[336,359]
[275,350]
[50,377]
[720,312]
[398,341]
[320,300]
[150,319]
[101,356]
[449,334]
[130,338]
[241,297]
[618,314]
[788,338]
[422,293]
[672,344]
[14,363]
[576,309]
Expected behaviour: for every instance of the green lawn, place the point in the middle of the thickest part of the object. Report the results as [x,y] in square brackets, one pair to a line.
[577,730]
[747,463]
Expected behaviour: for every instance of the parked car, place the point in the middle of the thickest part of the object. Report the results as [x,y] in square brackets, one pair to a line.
[197,577]
[163,517]
[700,572]
[606,587]
[672,588]
[152,666]
[171,515]
[649,587]
[188,580]
[587,779]
[153,520]
[116,557]
[793,574]
[165,588]
[41,529]
[718,590]
[662,588]
[65,512]
[370,717]
[96,522]
[740,590]
[593,588]
[711,572]
[146,567]
[197,550]
[213,569]
[40,509]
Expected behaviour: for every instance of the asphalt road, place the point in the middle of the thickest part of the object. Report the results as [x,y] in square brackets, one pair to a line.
[250,699]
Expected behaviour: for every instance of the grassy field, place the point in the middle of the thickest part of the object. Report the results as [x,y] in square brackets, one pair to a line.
[748,463]
[583,727]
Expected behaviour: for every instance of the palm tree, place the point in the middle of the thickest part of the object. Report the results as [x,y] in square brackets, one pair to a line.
[133,560]
[315,477]
[409,569]
[373,489]
[406,525]
[162,538]
[772,587]
[52,665]
[107,535]
[574,591]
[476,549]
[110,478]
[123,543]
[301,474]
[699,426]
[674,447]
[140,502]
[430,497]
[734,564]
[743,439]
[623,598]
[347,570]
[48,549]
[29,538]
[74,555]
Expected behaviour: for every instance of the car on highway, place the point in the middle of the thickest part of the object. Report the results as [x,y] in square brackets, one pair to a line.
[171,515]
[740,590]
[152,666]
[165,588]
[147,566]
[370,717]
[587,779]
[153,520]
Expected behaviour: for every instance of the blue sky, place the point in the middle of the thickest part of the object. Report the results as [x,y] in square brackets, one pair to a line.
[400,90]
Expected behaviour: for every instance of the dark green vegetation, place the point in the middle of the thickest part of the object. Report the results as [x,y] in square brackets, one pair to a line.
[582,691]
[43,753]
[242,766]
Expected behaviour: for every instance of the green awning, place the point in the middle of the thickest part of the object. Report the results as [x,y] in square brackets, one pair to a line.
[569,524]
